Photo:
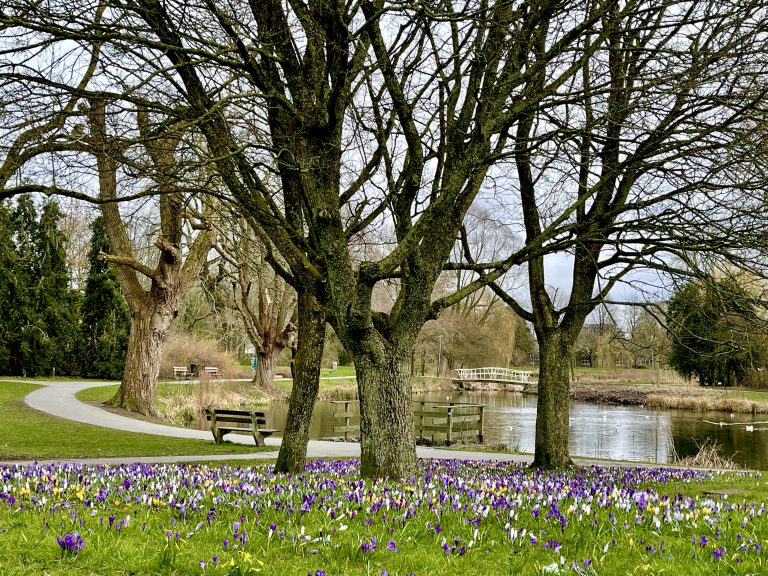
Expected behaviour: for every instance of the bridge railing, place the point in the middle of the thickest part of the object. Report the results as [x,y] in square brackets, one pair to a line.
[494,375]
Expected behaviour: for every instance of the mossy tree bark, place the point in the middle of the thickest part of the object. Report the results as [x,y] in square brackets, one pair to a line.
[149,331]
[387,439]
[552,406]
[265,370]
[311,335]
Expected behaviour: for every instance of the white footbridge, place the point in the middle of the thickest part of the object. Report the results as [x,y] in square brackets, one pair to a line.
[495,375]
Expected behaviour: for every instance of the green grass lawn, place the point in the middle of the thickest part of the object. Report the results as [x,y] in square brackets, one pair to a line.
[752,395]
[342,377]
[452,517]
[26,434]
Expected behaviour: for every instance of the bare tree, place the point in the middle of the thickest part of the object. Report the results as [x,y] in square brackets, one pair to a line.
[638,162]
[370,114]
[61,124]
[152,308]
[264,301]
[601,124]
[429,138]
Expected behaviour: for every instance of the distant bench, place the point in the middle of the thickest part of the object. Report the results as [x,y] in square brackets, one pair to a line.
[211,371]
[180,372]
[223,421]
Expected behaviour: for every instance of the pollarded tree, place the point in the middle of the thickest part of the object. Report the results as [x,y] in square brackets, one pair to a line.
[105,322]
[153,307]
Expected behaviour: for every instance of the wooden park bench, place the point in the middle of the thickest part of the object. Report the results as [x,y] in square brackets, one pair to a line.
[180,372]
[211,371]
[224,420]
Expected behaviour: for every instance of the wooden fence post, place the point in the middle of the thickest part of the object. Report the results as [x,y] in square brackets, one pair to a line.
[421,419]
[482,420]
[346,421]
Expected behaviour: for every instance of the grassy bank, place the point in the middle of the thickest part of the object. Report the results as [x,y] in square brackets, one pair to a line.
[26,434]
[708,402]
[681,397]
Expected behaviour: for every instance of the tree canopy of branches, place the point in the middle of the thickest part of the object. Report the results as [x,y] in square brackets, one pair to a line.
[616,131]
[640,159]
[372,112]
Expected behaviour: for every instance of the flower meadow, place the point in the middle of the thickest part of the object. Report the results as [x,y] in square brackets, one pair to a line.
[456,517]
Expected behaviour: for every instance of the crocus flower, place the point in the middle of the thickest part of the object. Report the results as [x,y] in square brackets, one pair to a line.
[70,543]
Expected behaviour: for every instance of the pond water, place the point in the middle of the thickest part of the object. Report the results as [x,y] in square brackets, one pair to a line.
[597,430]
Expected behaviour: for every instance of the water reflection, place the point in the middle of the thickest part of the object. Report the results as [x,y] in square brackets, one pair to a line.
[596,430]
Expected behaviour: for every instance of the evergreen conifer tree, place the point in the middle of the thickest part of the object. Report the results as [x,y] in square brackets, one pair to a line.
[57,304]
[714,328]
[105,319]
[26,335]
[7,286]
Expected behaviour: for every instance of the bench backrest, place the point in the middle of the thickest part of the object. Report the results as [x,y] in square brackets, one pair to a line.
[226,416]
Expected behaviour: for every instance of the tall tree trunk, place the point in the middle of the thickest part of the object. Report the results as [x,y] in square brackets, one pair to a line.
[150,322]
[552,415]
[177,267]
[306,381]
[387,438]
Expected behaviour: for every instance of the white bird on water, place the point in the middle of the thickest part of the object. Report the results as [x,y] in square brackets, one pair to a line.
[750,428]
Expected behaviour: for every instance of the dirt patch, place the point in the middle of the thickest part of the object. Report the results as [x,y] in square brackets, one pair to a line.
[620,396]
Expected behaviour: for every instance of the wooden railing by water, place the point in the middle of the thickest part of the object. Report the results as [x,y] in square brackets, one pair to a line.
[450,421]
[347,414]
[494,375]
[454,420]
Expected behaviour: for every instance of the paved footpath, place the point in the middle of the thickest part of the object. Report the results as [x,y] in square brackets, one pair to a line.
[58,399]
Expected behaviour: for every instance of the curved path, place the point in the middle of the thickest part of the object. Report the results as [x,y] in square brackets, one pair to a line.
[58,399]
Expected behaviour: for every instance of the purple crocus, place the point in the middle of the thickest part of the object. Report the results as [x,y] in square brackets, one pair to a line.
[71,543]
[368,546]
